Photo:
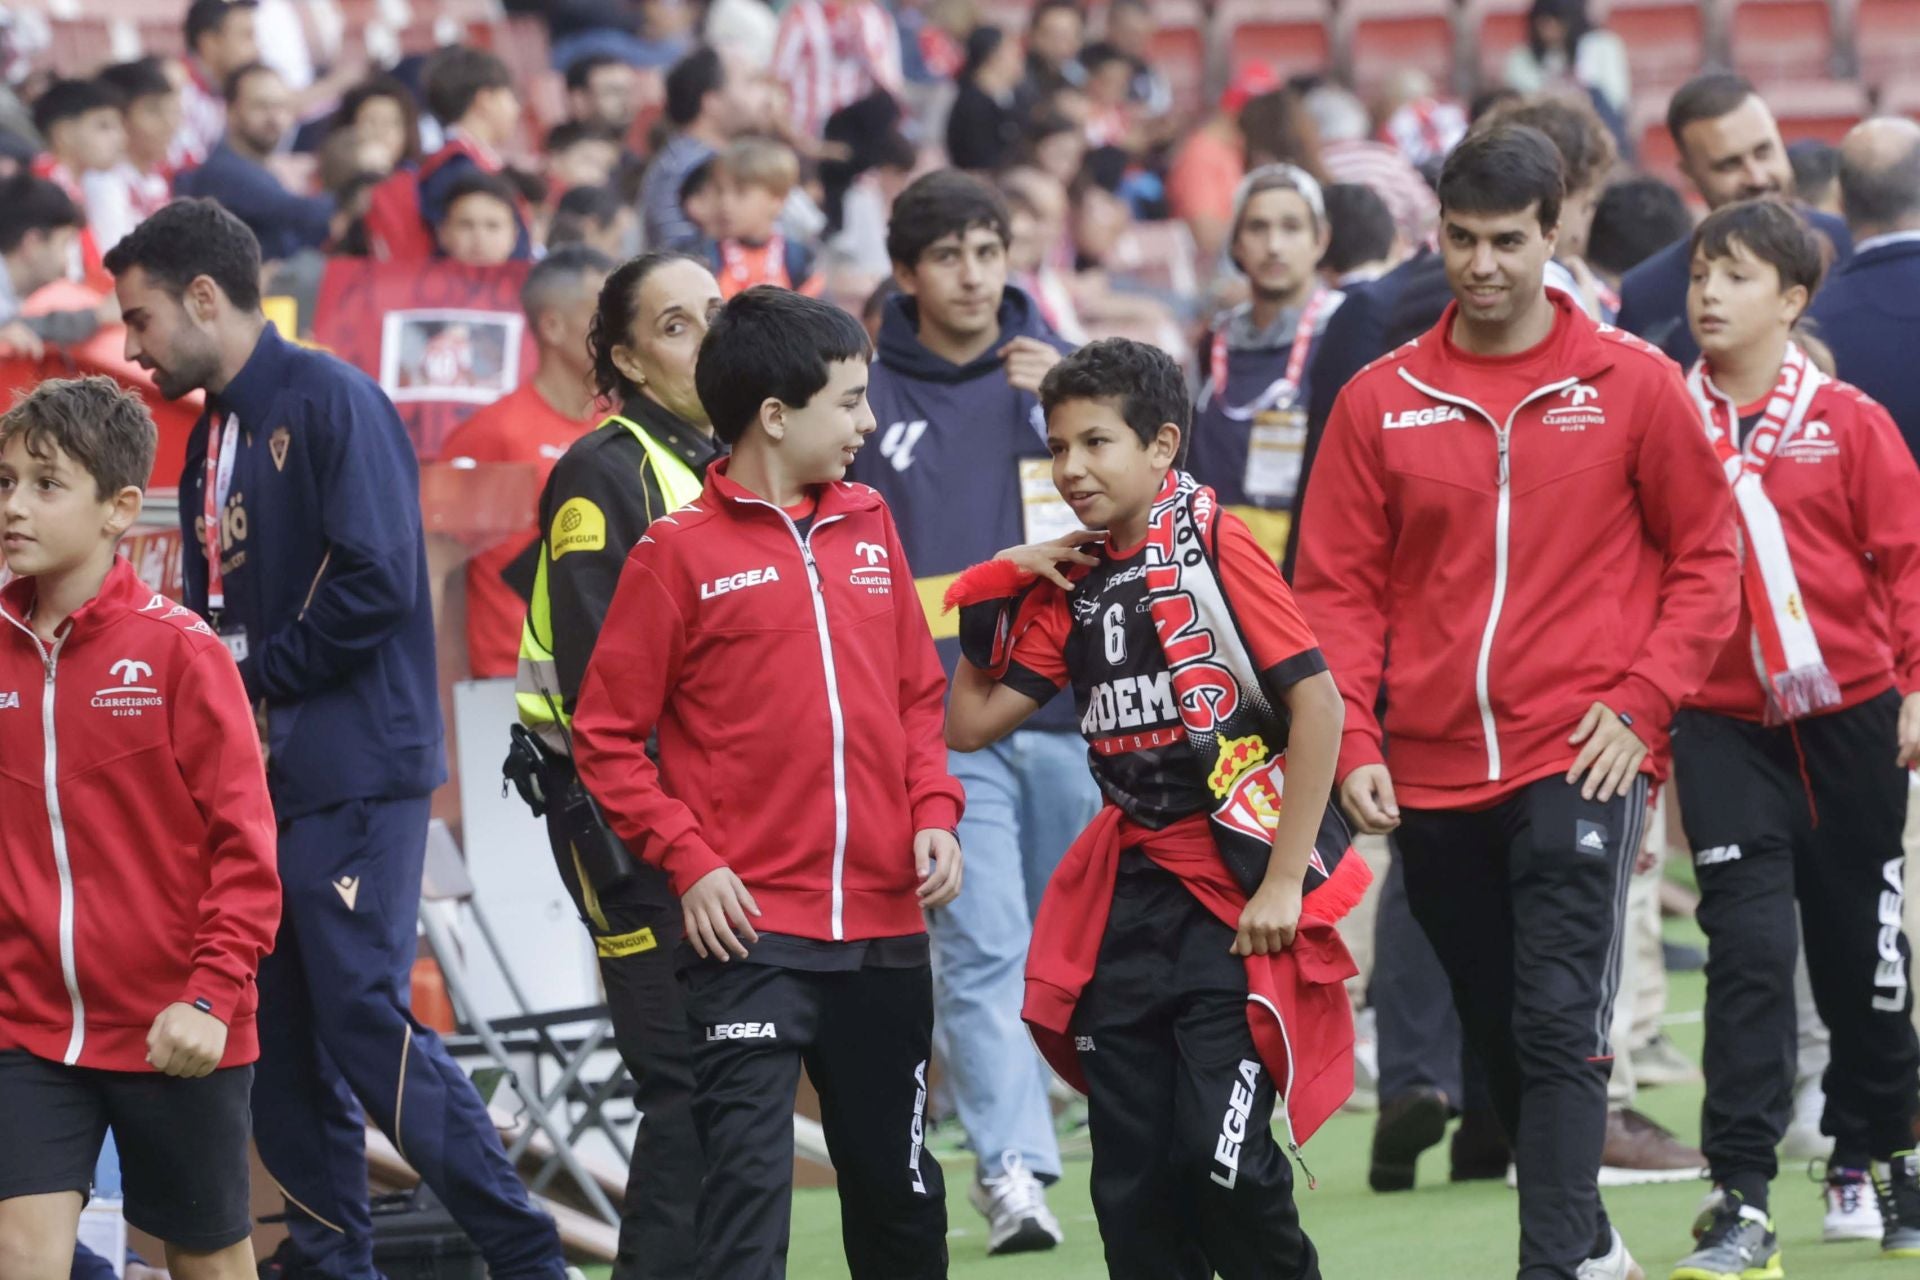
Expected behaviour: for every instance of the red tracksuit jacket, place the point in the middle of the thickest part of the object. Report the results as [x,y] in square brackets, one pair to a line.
[137,842]
[1848,494]
[1508,574]
[799,707]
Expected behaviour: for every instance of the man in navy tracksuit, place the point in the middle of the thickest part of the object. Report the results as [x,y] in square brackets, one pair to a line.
[300,507]
[1730,147]
[960,455]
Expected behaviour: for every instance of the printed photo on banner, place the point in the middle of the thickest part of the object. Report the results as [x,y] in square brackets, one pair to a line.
[450,355]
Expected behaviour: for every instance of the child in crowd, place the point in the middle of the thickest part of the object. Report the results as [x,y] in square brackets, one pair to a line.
[151,112]
[141,883]
[1184,965]
[1794,755]
[86,154]
[801,805]
[754,177]
[580,154]
[479,227]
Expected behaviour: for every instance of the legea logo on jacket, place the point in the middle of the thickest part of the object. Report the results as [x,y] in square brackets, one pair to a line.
[1430,416]
[872,572]
[10,701]
[130,697]
[739,582]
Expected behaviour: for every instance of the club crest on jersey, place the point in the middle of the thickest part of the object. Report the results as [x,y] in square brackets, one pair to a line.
[1237,756]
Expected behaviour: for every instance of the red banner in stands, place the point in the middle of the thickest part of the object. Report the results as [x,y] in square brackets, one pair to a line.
[442,339]
[103,353]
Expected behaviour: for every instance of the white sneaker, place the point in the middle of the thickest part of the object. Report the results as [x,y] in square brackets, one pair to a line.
[1015,1206]
[1803,1140]
[1852,1211]
[1615,1264]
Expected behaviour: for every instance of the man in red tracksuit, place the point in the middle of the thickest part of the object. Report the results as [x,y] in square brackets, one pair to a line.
[770,635]
[137,881]
[1795,754]
[1521,507]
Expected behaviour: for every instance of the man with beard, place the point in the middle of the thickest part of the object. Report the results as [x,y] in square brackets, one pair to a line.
[300,505]
[1730,148]
[259,115]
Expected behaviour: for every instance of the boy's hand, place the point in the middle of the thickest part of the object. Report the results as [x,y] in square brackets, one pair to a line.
[1910,730]
[185,1042]
[1042,558]
[1027,361]
[1367,796]
[715,912]
[936,858]
[23,341]
[1269,920]
[1611,756]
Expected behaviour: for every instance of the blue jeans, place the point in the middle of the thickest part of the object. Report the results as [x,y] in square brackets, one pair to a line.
[1028,797]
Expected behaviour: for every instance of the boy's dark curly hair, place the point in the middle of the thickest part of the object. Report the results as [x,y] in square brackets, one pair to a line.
[1143,382]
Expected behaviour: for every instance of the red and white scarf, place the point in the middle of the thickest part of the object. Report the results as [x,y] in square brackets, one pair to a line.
[1786,652]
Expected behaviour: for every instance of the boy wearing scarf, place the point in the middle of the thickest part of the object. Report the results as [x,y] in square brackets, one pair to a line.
[1795,754]
[1184,970]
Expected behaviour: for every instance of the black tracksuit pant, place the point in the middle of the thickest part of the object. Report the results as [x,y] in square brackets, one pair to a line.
[1814,812]
[865,1036]
[636,928]
[1188,1180]
[1523,902]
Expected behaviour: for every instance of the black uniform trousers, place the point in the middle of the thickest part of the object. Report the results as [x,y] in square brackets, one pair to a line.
[866,1036]
[1523,902]
[636,929]
[1188,1181]
[1812,811]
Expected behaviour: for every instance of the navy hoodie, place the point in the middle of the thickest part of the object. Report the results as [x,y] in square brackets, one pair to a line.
[946,457]
[325,575]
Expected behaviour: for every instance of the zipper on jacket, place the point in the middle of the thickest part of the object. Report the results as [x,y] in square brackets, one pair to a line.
[56,822]
[1502,533]
[833,706]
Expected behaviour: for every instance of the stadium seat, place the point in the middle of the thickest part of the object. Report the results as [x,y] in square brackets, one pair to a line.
[1781,39]
[1179,51]
[1819,109]
[1497,27]
[1887,34]
[1666,42]
[1385,36]
[1294,36]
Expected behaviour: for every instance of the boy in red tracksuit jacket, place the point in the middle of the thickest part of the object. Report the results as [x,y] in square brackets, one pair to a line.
[137,881]
[770,635]
[1514,523]
[1184,970]
[1795,753]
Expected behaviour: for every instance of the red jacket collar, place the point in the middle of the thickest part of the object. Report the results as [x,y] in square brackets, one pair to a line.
[1576,333]
[837,499]
[122,593]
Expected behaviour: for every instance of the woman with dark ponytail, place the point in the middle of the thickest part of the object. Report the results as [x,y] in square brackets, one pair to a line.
[646,459]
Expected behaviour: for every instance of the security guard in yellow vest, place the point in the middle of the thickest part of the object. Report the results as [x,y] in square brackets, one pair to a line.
[641,463]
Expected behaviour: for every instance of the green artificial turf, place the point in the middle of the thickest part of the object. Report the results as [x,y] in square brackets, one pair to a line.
[1436,1232]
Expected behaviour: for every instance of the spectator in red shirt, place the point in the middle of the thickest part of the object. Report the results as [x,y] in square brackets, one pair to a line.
[533,425]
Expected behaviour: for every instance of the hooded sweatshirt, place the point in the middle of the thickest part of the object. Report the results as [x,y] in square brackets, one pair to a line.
[954,444]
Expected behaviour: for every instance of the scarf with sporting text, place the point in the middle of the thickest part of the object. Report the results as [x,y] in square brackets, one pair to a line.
[1236,726]
[1786,653]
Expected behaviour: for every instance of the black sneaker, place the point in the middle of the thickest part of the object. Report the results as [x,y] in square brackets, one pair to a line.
[1407,1125]
[1480,1149]
[1736,1242]
[1897,1186]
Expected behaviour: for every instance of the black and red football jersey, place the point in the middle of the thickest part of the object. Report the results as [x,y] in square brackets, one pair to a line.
[1100,639]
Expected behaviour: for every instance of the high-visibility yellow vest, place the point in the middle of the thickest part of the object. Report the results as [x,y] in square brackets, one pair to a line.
[537,686]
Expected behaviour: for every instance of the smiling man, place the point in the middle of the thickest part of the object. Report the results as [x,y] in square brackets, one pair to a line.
[1730,148]
[1525,502]
[961,457]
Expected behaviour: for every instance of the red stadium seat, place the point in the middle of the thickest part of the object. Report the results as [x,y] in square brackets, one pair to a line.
[1179,51]
[1385,36]
[1820,109]
[1887,33]
[1293,36]
[1498,27]
[1781,39]
[1666,41]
